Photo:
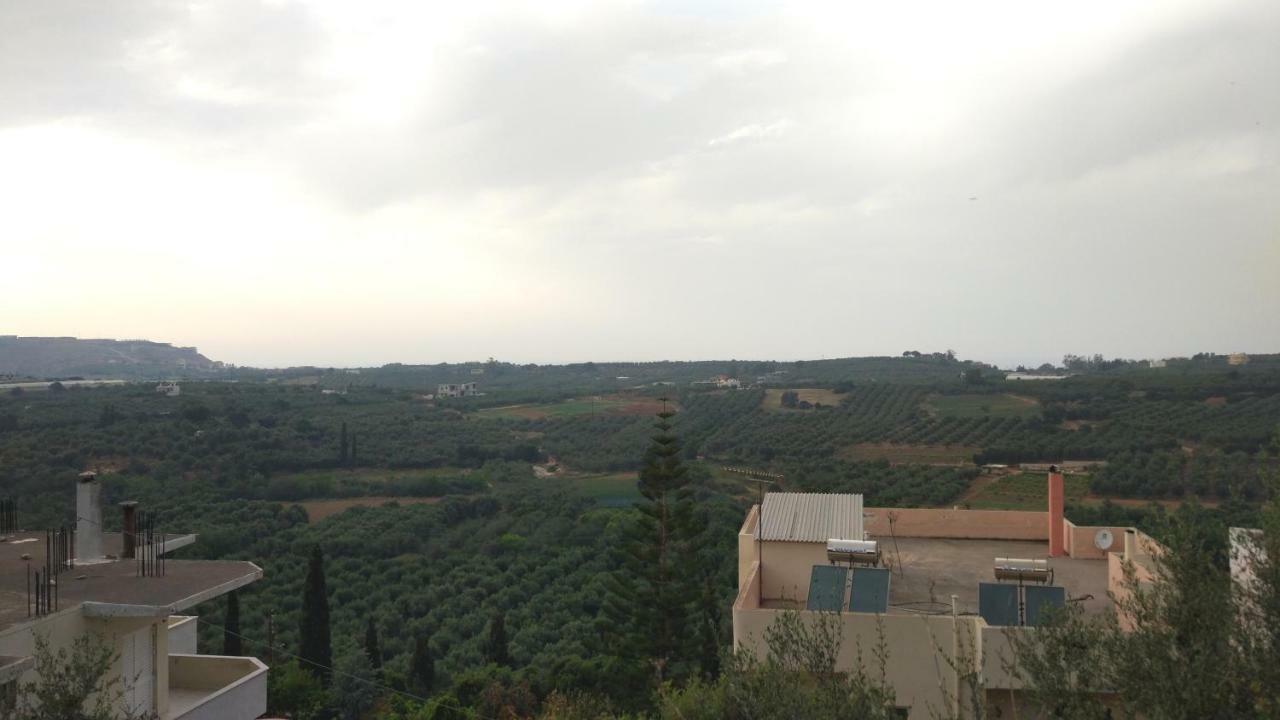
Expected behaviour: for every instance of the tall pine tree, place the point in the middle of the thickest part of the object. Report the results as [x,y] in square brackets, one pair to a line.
[231,644]
[316,650]
[651,599]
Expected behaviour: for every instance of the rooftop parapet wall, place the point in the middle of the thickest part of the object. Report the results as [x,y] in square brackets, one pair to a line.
[958,524]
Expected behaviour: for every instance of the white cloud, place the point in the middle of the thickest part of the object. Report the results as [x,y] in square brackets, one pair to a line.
[271,180]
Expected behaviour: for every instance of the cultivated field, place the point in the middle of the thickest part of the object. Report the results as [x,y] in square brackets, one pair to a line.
[613,489]
[318,510]
[815,396]
[979,406]
[897,454]
[1021,491]
[600,405]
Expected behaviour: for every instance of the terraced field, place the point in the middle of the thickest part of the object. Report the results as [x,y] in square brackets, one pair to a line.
[610,405]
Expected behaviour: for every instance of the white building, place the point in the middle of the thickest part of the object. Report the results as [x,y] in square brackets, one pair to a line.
[1031,376]
[453,390]
[170,388]
[100,589]
[724,381]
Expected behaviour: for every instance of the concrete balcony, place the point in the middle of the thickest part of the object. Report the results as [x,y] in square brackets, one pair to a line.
[182,634]
[216,687]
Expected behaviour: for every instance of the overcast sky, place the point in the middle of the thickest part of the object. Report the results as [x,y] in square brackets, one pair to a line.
[354,183]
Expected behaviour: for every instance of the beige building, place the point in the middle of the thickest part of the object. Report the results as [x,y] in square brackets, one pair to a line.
[930,587]
[122,588]
[452,390]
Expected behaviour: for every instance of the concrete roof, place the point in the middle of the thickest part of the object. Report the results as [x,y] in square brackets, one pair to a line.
[113,588]
[926,569]
[811,517]
[926,572]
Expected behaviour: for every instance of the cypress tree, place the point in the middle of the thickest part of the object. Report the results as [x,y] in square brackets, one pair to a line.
[650,601]
[316,649]
[231,644]
[371,647]
[496,650]
[422,667]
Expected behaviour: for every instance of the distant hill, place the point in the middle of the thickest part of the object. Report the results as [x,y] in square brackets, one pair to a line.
[62,357]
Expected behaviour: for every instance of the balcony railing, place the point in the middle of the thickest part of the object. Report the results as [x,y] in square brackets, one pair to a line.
[216,687]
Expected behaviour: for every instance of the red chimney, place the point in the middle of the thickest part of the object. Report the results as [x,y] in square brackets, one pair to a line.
[1055,513]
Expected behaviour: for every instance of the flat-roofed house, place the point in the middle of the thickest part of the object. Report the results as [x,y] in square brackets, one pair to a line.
[944,588]
[122,588]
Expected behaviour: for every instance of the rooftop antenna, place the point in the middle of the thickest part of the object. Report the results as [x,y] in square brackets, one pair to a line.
[897,556]
[760,483]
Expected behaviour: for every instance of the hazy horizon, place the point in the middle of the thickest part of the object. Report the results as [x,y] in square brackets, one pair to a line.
[293,183]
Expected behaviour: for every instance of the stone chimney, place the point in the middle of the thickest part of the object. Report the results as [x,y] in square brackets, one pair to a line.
[88,518]
[1056,511]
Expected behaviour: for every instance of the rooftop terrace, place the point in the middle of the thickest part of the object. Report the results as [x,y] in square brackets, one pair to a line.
[113,587]
[926,572]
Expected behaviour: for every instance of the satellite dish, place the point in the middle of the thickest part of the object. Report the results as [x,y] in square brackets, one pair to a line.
[1103,539]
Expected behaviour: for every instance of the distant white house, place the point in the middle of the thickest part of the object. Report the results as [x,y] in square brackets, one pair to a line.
[169,388]
[453,390]
[1029,376]
[1238,359]
[1157,363]
[724,381]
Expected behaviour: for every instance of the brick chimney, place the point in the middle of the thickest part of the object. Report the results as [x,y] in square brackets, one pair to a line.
[88,518]
[1055,512]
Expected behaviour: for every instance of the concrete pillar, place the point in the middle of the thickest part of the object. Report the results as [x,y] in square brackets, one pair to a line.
[1130,544]
[129,529]
[88,518]
[1056,510]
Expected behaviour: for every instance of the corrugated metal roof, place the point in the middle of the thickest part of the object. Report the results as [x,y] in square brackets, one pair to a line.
[811,517]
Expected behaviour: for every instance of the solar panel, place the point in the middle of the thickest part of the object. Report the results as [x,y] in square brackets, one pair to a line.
[870,592]
[1041,598]
[998,604]
[826,587]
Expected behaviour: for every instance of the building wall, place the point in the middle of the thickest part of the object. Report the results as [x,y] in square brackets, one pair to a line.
[787,567]
[62,628]
[1079,540]
[182,634]
[921,651]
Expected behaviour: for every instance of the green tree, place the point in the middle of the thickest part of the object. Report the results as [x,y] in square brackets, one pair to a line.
[231,644]
[496,649]
[294,692]
[1193,643]
[650,600]
[72,683]
[316,650]
[355,689]
[372,649]
[798,678]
